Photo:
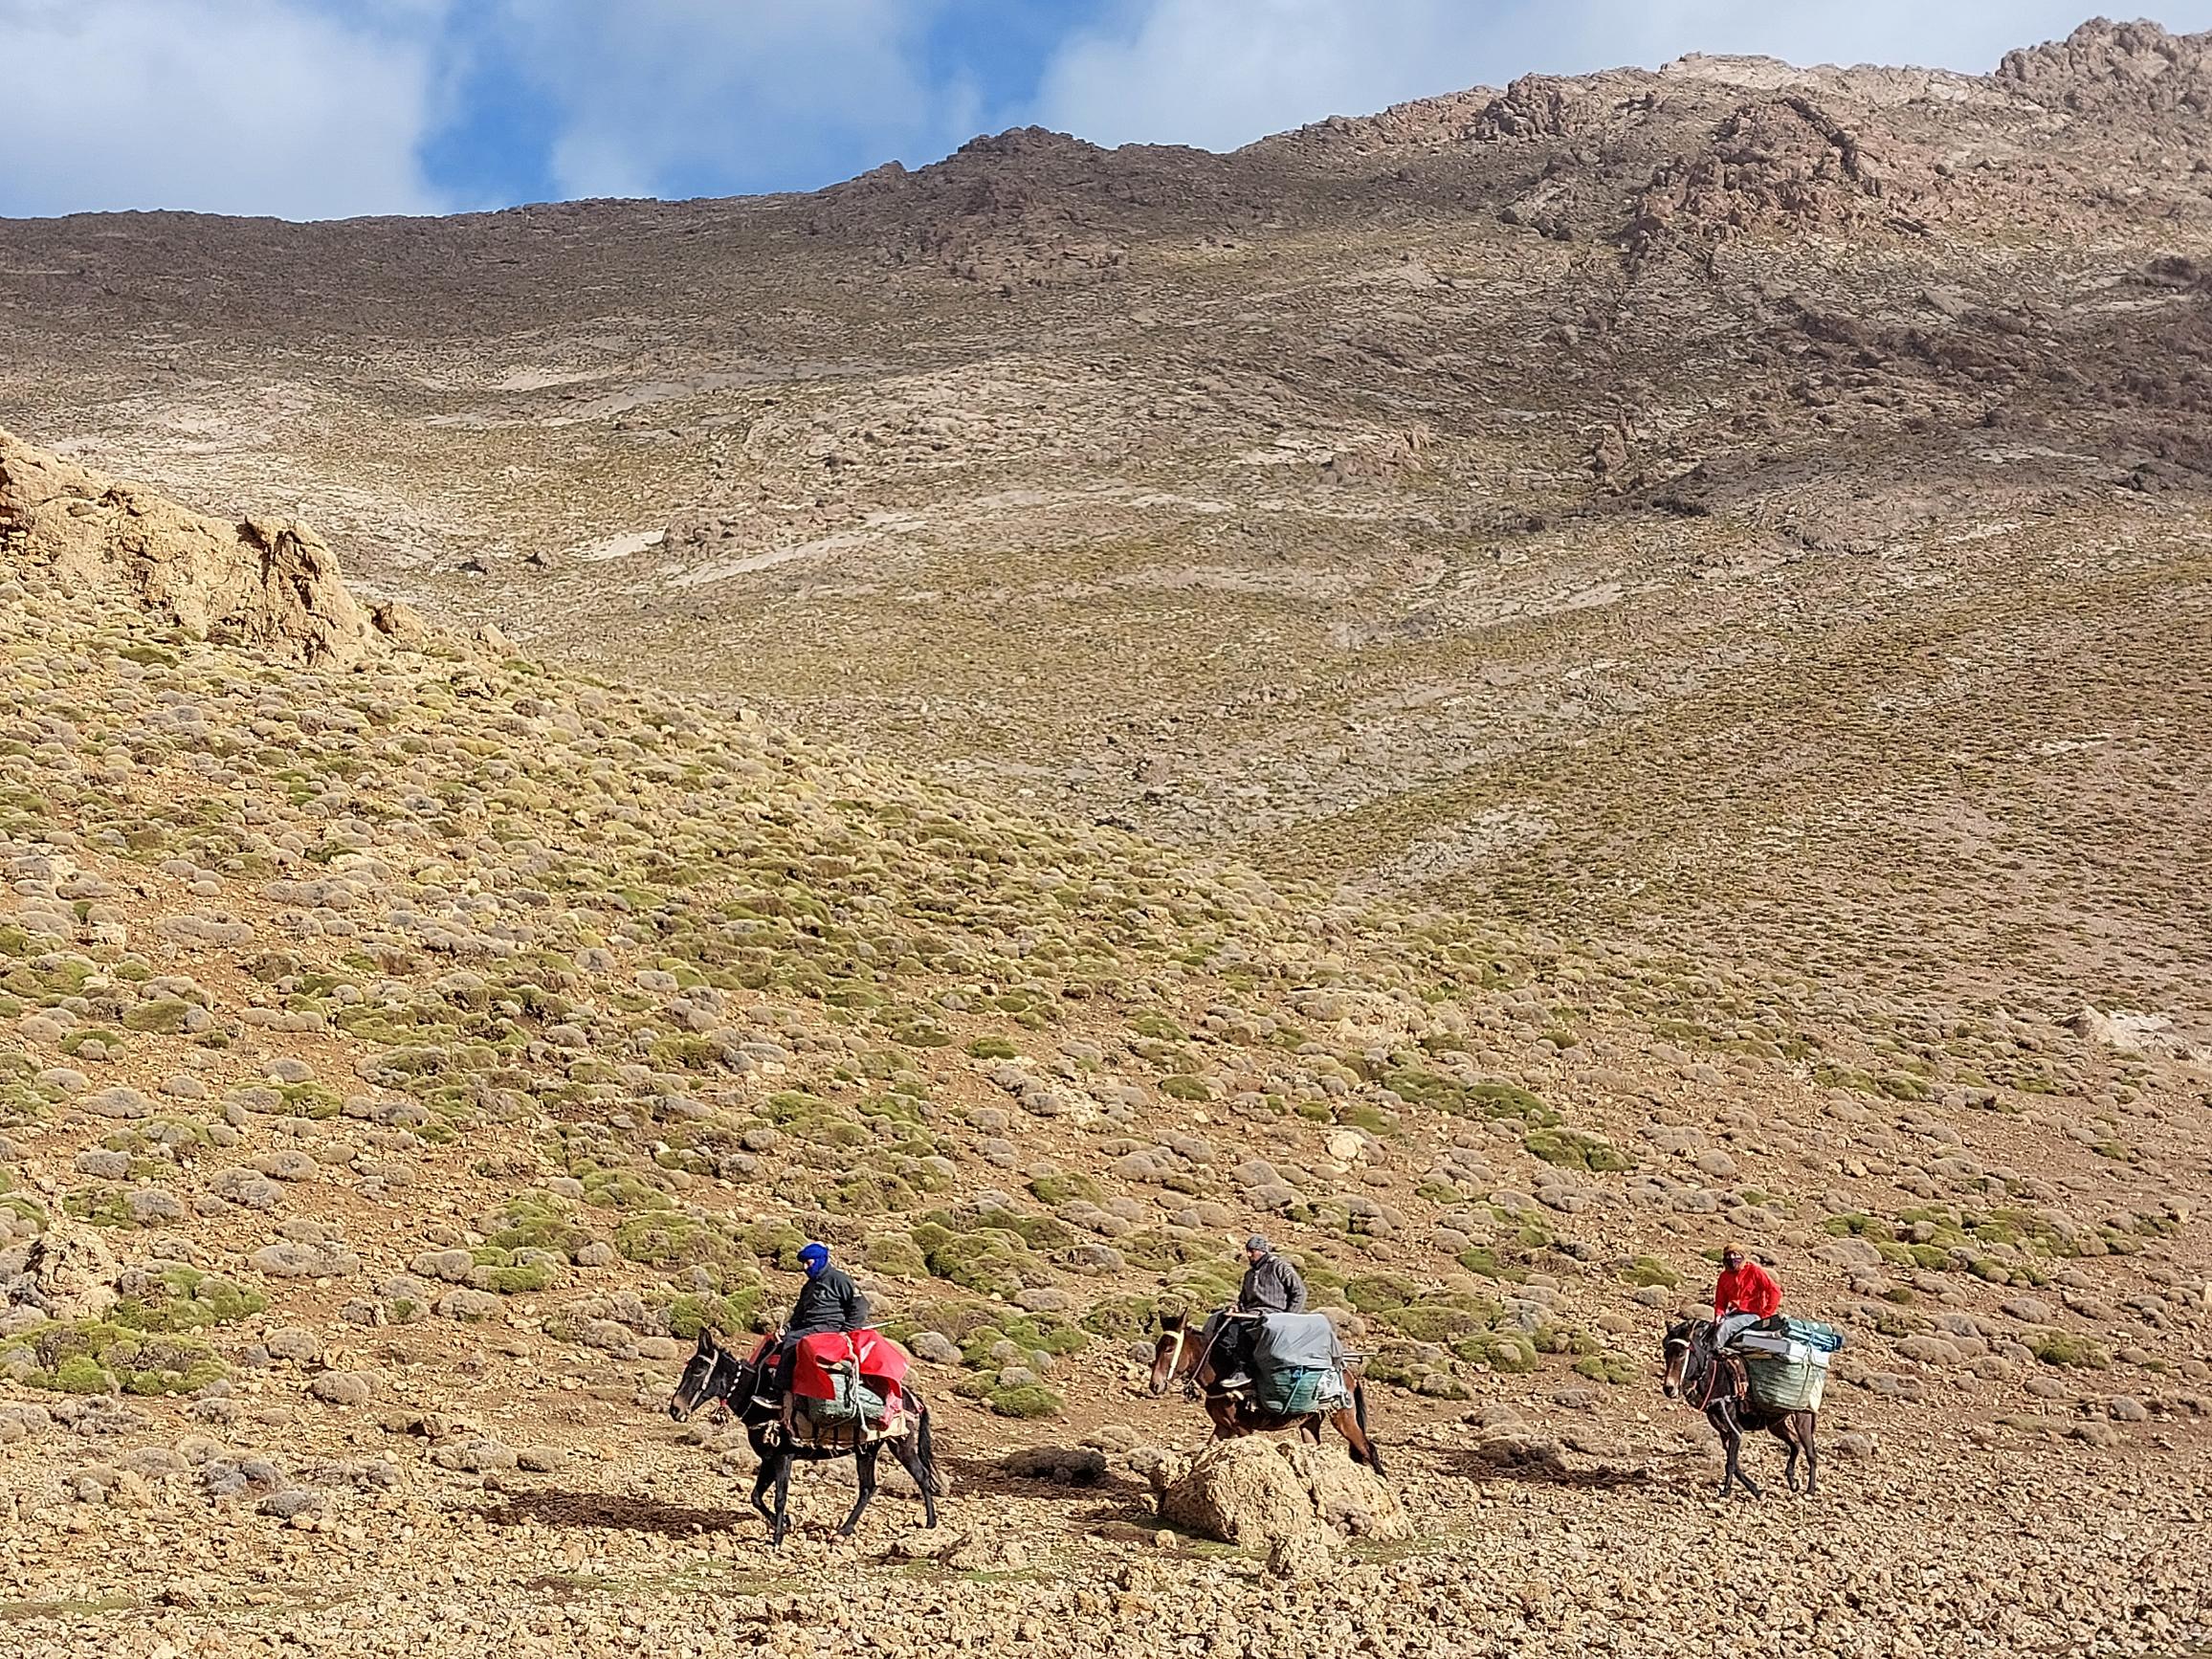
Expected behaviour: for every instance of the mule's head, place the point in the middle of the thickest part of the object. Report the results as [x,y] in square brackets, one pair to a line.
[709,1375]
[1175,1353]
[1681,1341]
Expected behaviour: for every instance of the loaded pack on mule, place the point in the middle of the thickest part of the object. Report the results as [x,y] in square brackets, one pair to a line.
[824,1387]
[1265,1365]
[1752,1367]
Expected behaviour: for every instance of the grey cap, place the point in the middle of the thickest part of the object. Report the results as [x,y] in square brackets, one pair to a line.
[1258,1242]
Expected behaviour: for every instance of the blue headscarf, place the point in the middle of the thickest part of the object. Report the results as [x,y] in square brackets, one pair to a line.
[814,1258]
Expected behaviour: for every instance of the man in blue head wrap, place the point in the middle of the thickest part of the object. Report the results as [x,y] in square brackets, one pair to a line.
[828,1301]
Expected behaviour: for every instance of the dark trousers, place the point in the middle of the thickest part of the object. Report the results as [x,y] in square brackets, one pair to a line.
[1232,1345]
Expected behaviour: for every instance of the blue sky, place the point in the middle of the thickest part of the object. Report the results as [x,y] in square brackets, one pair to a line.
[324,108]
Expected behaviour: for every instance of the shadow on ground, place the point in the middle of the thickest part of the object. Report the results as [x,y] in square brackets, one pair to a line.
[620,1512]
[1546,1468]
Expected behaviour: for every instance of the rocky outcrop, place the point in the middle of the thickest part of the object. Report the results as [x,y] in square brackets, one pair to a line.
[1286,1497]
[2105,62]
[66,1273]
[271,584]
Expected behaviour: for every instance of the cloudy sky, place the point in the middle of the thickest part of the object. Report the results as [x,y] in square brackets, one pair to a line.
[324,108]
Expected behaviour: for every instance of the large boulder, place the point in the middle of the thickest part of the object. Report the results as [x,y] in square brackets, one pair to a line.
[1286,1497]
[67,1274]
[270,584]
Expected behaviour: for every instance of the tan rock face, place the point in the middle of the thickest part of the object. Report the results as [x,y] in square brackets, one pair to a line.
[68,1274]
[1279,1496]
[270,584]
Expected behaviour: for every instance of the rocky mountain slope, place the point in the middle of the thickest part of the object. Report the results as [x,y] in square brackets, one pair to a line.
[1506,690]
[1550,498]
[408,1055]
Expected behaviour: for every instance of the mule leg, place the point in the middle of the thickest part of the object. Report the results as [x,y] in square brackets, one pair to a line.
[864,1461]
[763,1478]
[1811,1424]
[911,1459]
[1732,1436]
[783,1522]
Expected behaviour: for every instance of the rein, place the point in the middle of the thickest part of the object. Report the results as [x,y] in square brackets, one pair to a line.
[1719,1381]
[1190,1384]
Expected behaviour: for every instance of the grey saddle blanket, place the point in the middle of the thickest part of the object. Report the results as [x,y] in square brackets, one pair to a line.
[1296,1342]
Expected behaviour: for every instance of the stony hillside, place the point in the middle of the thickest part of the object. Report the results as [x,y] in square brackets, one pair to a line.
[407,1053]
[1752,510]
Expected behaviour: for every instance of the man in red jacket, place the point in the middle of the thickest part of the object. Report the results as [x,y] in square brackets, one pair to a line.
[1746,1294]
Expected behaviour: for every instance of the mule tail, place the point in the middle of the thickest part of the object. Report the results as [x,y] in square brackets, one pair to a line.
[1363,1447]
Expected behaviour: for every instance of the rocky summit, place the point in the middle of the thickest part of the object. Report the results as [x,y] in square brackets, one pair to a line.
[1508,691]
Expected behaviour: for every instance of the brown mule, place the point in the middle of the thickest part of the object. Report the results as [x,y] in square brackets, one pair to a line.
[1184,1355]
[1715,1384]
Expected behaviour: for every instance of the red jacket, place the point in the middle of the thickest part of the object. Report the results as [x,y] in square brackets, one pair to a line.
[1749,1288]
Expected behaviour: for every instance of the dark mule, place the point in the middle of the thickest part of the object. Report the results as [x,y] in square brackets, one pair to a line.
[1716,1384]
[1184,1354]
[715,1373]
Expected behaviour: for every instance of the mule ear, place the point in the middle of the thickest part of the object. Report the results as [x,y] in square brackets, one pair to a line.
[707,1342]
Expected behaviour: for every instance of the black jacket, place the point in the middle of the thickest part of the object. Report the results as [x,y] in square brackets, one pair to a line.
[831,1302]
[1272,1286]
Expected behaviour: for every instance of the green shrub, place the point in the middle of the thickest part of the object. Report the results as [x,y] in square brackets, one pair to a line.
[1372,1292]
[1057,1189]
[1188,1087]
[100,1206]
[165,1017]
[1573,1149]
[1124,1316]
[537,1220]
[184,1298]
[991,1261]
[1508,1351]
[897,1258]
[1648,1270]
[1030,1399]
[1440,1322]
[1610,1368]
[1482,1261]
[100,1357]
[993,1049]
[670,1238]
[732,1313]
[2065,1349]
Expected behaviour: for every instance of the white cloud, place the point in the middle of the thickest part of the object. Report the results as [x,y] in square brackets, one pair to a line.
[241,107]
[1220,73]
[655,97]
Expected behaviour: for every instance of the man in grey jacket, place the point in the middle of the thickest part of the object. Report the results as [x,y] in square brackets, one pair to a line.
[1271,1286]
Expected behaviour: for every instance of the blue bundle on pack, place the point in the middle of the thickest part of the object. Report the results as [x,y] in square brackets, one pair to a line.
[1821,1339]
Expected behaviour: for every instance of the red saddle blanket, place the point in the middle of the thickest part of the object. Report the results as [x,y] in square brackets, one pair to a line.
[883,1362]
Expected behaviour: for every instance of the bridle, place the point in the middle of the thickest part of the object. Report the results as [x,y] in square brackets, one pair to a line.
[719,1386]
[1181,1334]
[1708,1374]
[1182,1339]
